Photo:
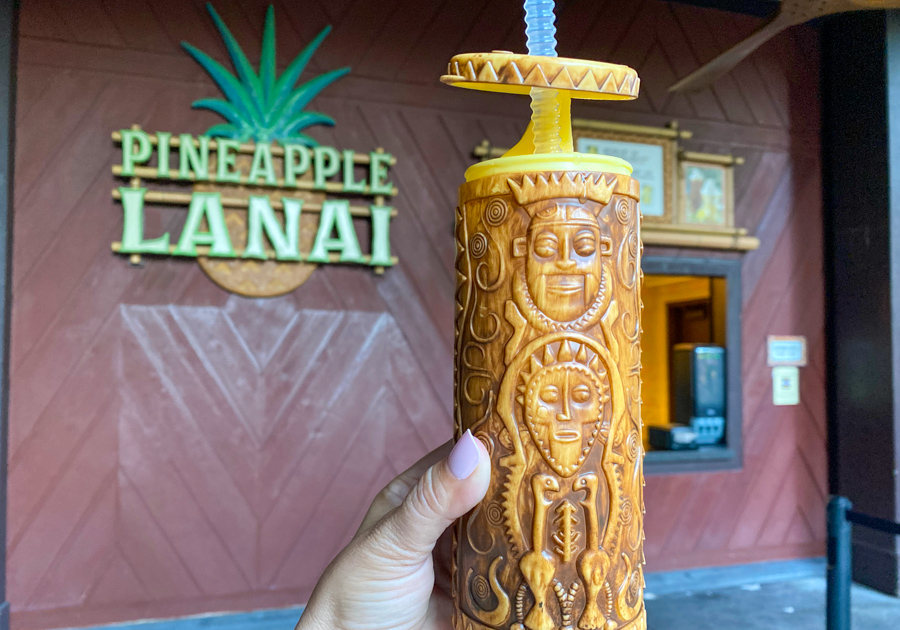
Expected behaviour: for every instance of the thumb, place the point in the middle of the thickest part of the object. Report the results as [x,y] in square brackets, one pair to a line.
[445,492]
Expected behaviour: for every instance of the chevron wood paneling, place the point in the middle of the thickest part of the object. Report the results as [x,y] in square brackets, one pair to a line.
[175,449]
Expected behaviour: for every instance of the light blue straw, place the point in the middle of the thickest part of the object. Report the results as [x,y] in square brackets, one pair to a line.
[541,32]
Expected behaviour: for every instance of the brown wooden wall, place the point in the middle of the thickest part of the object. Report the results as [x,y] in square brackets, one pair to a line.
[175,449]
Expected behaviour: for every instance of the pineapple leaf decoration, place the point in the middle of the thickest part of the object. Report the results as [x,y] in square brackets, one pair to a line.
[263,106]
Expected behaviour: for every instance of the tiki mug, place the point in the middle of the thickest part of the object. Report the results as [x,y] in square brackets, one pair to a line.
[548,378]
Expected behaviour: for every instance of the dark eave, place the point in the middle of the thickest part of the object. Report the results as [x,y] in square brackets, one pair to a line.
[759,8]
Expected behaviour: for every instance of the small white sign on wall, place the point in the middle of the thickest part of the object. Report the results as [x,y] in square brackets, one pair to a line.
[786,350]
[786,385]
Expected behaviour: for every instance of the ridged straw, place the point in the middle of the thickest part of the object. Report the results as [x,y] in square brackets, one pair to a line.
[541,32]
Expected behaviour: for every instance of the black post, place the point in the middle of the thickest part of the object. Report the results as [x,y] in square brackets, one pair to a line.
[837,606]
[9,29]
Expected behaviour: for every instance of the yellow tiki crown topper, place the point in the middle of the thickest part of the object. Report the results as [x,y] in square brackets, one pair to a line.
[502,71]
[579,186]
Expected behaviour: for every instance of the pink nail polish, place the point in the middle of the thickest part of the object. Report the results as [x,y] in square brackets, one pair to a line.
[464,457]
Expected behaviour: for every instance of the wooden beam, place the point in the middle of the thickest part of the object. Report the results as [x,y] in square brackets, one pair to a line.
[733,240]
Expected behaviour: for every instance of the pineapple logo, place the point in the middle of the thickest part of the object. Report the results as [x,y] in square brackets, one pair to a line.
[261,106]
[261,211]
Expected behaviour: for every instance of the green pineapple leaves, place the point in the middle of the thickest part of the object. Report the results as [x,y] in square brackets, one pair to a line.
[263,106]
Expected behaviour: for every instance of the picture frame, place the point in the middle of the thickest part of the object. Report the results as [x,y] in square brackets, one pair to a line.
[706,190]
[652,152]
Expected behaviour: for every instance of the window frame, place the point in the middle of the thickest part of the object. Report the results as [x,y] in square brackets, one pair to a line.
[729,456]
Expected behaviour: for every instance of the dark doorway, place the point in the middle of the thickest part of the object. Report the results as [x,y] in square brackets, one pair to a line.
[690,322]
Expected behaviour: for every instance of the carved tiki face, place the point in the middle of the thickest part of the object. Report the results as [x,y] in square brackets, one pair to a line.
[563,408]
[563,260]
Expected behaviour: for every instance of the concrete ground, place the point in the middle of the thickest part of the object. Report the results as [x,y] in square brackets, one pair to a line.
[792,603]
[767,596]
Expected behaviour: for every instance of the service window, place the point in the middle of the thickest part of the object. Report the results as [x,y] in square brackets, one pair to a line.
[690,364]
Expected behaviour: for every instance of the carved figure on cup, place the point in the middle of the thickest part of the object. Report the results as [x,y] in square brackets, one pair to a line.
[593,562]
[563,396]
[563,284]
[538,566]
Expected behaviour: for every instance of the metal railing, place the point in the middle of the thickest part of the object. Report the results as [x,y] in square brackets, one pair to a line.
[841,519]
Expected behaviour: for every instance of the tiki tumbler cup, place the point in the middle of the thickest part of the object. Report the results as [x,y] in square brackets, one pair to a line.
[547,376]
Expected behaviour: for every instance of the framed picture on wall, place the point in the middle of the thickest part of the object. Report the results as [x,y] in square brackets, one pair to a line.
[652,155]
[706,192]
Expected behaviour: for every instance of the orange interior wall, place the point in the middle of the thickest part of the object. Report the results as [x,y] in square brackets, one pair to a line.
[175,449]
[657,293]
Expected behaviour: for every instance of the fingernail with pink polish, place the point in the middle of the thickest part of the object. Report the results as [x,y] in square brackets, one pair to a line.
[464,457]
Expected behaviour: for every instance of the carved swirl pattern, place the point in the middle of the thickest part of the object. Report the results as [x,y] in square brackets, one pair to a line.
[472,533]
[631,323]
[633,445]
[485,438]
[480,588]
[623,211]
[474,373]
[494,514]
[478,245]
[482,270]
[634,585]
[496,212]
[627,262]
[494,320]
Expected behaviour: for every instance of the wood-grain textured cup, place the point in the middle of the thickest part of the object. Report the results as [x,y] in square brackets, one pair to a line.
[548,377]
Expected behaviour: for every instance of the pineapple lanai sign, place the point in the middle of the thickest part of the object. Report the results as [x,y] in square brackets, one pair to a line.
[260,215]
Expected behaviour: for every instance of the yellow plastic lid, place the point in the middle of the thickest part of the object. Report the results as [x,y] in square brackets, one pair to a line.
[578,162]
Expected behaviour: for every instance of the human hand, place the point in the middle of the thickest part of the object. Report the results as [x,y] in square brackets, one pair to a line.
[387,577]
